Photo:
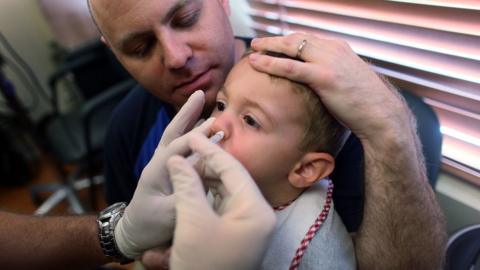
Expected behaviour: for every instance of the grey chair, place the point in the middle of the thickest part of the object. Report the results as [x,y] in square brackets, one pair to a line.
[463,249]
[428,129]
[76,138]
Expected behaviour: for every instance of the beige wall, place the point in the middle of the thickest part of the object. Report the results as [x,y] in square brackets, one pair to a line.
[22,23]
[70,22]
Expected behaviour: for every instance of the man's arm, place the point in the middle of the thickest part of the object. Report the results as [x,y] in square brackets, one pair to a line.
[403,226]
[49,242]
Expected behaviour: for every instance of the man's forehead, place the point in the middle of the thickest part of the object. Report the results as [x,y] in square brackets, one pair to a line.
[106,12]
[123,6]
[137,15]
[99,7]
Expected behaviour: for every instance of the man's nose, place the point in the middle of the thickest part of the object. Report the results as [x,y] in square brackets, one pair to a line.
[175,51]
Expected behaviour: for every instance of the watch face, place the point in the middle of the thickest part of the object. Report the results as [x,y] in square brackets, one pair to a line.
[109,210]
[107,221]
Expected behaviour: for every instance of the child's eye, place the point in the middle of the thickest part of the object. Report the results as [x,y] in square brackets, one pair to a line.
[251,122]
[220,106]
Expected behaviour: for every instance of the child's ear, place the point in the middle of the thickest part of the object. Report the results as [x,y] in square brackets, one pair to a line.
[312,166]
[226,6]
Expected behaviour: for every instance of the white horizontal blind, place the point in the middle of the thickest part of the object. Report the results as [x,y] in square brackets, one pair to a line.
[429,47]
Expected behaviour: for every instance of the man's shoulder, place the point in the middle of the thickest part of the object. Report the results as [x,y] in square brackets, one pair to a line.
[136,99]
[130,124]
[137,106]
[134,115]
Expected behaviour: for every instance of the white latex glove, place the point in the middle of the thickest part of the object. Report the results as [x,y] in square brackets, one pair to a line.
[149,219]
[235,239]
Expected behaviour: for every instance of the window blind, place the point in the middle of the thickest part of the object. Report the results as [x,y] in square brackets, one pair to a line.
[429,47]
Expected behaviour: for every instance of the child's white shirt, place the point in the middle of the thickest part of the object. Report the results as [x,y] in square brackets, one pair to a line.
[331,247]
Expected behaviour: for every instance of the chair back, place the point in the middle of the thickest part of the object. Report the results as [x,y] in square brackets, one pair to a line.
[99,69]
[428,130]
[91,68]
[463,249]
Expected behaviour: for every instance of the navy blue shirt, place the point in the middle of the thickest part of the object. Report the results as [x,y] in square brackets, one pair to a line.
[138,123]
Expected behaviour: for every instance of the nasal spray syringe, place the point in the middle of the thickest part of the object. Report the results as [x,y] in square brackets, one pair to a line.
[212,195]
[216,138]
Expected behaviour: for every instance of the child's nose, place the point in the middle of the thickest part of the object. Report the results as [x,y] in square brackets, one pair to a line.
[223,122]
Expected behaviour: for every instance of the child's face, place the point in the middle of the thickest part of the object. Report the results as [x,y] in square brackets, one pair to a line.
[263,125]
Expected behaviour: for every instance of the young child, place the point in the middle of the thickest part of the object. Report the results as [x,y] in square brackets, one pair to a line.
[280,131]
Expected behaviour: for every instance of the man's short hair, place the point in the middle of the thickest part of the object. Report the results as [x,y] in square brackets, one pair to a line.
[323,133]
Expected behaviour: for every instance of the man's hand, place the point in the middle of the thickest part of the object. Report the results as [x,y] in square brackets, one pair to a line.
[348,87]
[235,239]
[149,219]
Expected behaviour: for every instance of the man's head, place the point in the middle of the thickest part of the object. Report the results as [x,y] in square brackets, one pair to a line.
[278,129]
[171,47]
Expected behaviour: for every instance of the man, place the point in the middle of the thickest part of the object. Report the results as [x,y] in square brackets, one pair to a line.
[174,47]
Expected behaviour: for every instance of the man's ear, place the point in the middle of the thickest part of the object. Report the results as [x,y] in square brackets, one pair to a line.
[312,166]
[104,41]
[226,6]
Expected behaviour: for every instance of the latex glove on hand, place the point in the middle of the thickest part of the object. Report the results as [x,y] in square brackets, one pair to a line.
[149,219]
[235,239]
[156,259]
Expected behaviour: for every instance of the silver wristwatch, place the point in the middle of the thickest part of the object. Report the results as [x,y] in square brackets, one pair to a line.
[107,220]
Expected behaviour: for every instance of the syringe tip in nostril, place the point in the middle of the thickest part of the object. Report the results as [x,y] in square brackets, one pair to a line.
[216,138]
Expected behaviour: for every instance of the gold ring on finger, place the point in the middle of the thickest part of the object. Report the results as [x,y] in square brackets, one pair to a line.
[300,48]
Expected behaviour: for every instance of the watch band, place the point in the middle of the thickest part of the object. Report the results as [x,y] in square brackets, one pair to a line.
[107,220]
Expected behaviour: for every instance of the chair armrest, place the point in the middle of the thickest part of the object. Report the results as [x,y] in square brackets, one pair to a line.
[106,97]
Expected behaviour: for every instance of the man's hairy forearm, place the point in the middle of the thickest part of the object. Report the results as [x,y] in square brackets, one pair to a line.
[49,242]
[403,226]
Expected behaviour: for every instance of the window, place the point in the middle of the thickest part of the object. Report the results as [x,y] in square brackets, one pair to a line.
[429,47]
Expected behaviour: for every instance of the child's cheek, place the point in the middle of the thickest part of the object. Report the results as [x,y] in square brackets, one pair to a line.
[238,151]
